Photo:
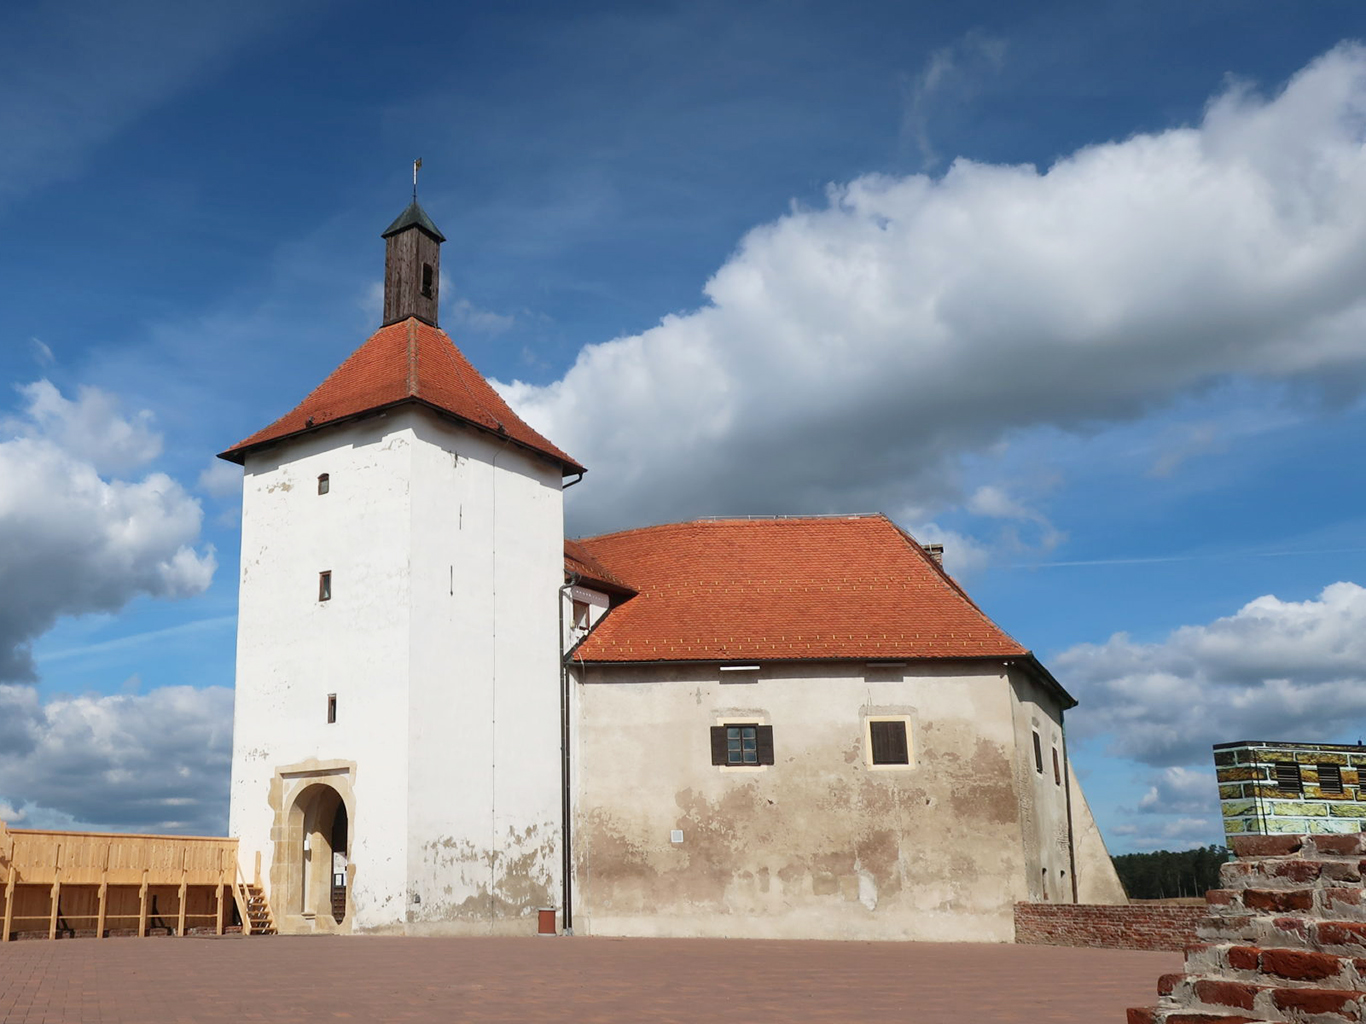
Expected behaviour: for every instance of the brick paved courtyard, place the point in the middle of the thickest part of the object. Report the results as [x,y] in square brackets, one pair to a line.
[587,980]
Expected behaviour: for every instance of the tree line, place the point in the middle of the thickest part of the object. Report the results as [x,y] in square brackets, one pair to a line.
[1164,874]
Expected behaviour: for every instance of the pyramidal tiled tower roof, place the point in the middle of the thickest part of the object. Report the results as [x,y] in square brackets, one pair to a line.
[405,362]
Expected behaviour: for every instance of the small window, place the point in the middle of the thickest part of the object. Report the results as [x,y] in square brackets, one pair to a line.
[427,280]
[1330,778]
[1057,769]
[324,586]
[741,744]
[1288,777]
[887,742]
[331,709]
[581,614]
[1038,754]
[324,483]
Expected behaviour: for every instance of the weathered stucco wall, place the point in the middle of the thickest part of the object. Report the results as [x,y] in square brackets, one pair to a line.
[820,844]
[293,650]
[484,719]
[439,641]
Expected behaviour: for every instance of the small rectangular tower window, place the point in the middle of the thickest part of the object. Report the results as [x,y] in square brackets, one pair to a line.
[1038,754]
[325,586]
[331,709]
[1057,770]
[427,280]
[324,483]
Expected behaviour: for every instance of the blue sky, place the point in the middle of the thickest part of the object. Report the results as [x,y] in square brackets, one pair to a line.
[1077,289]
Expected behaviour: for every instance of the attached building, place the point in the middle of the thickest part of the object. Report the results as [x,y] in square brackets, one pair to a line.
[449,718]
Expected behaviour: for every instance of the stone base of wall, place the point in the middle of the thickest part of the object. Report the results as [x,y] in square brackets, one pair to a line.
[1107,927]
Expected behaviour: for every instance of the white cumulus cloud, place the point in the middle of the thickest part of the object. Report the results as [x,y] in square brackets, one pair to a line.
[1292,670]
[152,763]
[71,540]
[848,355]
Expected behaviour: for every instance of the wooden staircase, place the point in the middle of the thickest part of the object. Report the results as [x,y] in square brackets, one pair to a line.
[252,906]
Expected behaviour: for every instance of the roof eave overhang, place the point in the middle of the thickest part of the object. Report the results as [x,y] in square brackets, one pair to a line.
[239,453]
[1026,661]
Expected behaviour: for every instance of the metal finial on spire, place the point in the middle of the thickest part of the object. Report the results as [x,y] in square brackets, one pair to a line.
[417,165]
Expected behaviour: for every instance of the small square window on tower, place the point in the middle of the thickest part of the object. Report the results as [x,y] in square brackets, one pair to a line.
[331,709]
[324,483]
[325,586]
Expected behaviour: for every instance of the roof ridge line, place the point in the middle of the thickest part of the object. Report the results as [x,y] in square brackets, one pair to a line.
[450,353]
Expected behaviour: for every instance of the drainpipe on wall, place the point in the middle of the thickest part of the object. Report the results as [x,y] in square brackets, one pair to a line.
[1067,792]
[566,833]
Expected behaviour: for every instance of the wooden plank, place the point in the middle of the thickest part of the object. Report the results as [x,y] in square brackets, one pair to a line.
[184,890]
[104,891]
[9,894]
[56,894]
[142,908]
[222,880]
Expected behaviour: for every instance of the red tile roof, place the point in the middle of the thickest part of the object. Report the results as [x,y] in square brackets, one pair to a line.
[409,361]
[578,562]
[773,589]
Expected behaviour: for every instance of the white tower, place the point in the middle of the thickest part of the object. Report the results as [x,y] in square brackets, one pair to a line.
[396,745]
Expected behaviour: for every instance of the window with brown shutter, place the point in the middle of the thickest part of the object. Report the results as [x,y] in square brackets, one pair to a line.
[1038,755]
[888,741]
[1057,771]
[1288,777]
[738,744]
[1330,778]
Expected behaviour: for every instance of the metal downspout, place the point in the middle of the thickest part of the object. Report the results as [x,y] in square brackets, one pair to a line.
[566,827]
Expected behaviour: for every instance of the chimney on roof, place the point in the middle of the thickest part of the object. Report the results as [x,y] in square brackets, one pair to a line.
[412,266]
[935,551]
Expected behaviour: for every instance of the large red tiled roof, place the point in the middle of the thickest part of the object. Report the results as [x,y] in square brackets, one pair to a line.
[770,589]
[408,361]
[580,565]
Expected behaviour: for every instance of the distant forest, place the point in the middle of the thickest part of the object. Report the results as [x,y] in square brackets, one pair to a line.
[1165,875]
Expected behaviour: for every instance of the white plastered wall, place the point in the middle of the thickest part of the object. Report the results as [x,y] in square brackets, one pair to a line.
[445,546]
[293,650]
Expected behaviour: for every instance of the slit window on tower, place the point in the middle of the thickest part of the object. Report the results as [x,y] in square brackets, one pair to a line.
[324,586]
[1057,769]
[331,709]
[324,483]
[1038,754]
[427,280]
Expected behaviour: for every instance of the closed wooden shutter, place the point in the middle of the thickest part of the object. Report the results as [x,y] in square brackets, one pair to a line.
[763,734]
[889,742]
[1330,778]
[718,744]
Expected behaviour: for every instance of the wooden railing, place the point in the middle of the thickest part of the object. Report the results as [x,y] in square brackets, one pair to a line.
[108,880]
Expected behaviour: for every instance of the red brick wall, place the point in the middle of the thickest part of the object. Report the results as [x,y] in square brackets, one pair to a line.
[1131,927]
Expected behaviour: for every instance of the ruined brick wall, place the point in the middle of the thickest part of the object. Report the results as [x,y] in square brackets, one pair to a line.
[1284,940]
[1131,927]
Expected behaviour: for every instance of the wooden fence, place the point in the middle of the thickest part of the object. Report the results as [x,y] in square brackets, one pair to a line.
[98,883]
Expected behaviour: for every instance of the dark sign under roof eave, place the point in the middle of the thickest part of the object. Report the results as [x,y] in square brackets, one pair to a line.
[238,453]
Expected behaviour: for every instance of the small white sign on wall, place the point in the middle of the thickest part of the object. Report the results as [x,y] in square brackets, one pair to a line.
[676,836]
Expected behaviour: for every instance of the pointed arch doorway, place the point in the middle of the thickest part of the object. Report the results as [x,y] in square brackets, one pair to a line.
[311,872]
